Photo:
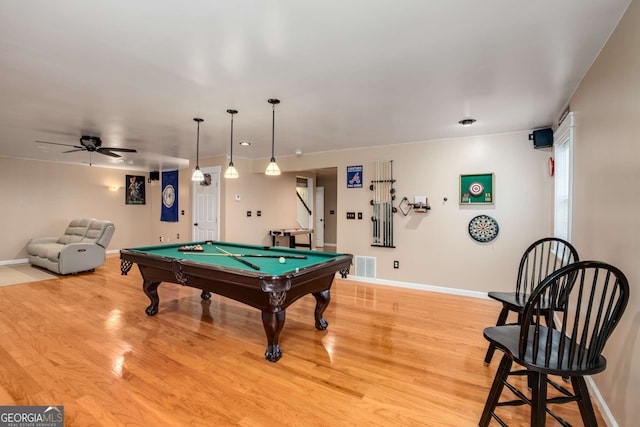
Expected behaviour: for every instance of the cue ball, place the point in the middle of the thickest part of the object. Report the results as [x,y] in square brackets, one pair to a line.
[282,260]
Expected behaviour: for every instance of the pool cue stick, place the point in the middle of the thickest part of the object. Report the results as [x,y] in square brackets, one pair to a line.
[244,261]
[375,211]
[383,196]
[250,255]
[378,184]
[384,202]
[389,195]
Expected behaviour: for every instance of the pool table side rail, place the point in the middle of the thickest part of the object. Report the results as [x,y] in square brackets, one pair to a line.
[269,283]
[239,245]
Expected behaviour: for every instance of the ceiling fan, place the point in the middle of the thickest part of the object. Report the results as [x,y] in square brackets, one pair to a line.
[92,144]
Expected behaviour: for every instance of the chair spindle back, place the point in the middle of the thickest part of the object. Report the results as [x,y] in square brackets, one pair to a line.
[586,301]
[541,259]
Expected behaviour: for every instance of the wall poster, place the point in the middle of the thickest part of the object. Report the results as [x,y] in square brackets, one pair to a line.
[354,176]
[135,190]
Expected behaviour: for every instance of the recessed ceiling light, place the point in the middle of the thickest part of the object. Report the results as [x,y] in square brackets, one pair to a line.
[244,143]
[467,122]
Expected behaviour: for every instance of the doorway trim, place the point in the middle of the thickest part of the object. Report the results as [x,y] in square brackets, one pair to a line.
[214,171]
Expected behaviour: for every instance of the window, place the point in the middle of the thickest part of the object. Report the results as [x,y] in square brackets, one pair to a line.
[563,149]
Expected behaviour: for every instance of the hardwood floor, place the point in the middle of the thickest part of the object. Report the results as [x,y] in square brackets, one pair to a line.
[390,356]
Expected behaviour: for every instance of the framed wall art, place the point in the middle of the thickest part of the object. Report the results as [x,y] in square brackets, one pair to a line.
[477,189]
[135,190]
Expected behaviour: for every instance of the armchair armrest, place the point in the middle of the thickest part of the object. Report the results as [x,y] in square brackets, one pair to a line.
[76,257]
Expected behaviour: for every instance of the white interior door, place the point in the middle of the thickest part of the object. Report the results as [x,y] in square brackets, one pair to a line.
[319,215]
[206,206]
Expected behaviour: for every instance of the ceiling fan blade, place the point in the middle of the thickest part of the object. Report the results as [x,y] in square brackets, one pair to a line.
[108,153]
[123,150]
[73,151]
[57,143]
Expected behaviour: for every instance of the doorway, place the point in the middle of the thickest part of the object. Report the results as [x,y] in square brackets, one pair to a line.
[206,206]
[326,178]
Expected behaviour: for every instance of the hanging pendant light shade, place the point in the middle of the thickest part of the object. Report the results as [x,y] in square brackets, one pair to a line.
[231,171]
[197,174]
[272,168]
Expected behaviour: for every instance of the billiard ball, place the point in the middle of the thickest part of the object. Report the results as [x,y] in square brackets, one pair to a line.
[282,260]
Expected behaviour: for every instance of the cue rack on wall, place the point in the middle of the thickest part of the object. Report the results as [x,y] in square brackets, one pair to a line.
[383,196]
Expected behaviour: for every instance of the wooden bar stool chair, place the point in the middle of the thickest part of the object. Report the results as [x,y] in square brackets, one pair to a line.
[539,260]
[586,301]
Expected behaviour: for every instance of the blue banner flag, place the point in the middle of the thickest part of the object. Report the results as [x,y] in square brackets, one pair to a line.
[169,211]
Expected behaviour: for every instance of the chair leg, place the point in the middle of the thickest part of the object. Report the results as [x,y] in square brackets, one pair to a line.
[502,319]
[496,390]
[584,401]
[538,399]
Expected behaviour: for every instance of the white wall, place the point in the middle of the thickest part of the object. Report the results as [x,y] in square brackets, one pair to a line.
[435,248]
[274,196]
[607,197]
[40,198]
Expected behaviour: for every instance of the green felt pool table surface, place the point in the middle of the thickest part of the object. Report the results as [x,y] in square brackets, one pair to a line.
[213,256]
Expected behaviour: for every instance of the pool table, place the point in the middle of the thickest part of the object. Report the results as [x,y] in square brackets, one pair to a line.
[253,275]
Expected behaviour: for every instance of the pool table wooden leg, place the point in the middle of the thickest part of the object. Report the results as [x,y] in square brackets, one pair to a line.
[273,324]
[322,302]
[151,290]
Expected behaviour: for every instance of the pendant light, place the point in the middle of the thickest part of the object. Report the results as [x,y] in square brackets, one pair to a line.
[231,171]
[197,174]
[272,168]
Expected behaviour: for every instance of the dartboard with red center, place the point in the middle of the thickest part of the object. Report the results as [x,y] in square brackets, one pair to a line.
[476,188]
[483,228]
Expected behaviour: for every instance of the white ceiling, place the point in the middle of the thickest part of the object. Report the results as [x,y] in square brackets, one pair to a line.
[349,73]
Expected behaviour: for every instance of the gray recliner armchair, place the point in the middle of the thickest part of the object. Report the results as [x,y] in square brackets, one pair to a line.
[82,247]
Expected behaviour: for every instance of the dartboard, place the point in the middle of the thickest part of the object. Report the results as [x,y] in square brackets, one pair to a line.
[476,188]
[483,228]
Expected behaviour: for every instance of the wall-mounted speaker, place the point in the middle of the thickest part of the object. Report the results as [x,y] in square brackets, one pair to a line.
[154,176]
[542,138]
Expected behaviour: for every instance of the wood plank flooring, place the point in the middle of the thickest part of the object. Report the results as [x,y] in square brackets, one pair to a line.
[390,357]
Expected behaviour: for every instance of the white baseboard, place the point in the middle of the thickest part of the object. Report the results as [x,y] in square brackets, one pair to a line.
[331,245]
[596,398]
[422,287]
[14,261]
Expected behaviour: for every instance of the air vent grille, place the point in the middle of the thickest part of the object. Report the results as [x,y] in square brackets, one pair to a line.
[366,266]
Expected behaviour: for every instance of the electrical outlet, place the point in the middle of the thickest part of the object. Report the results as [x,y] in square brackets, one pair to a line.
[178,236]
[161,239]
[396,264]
